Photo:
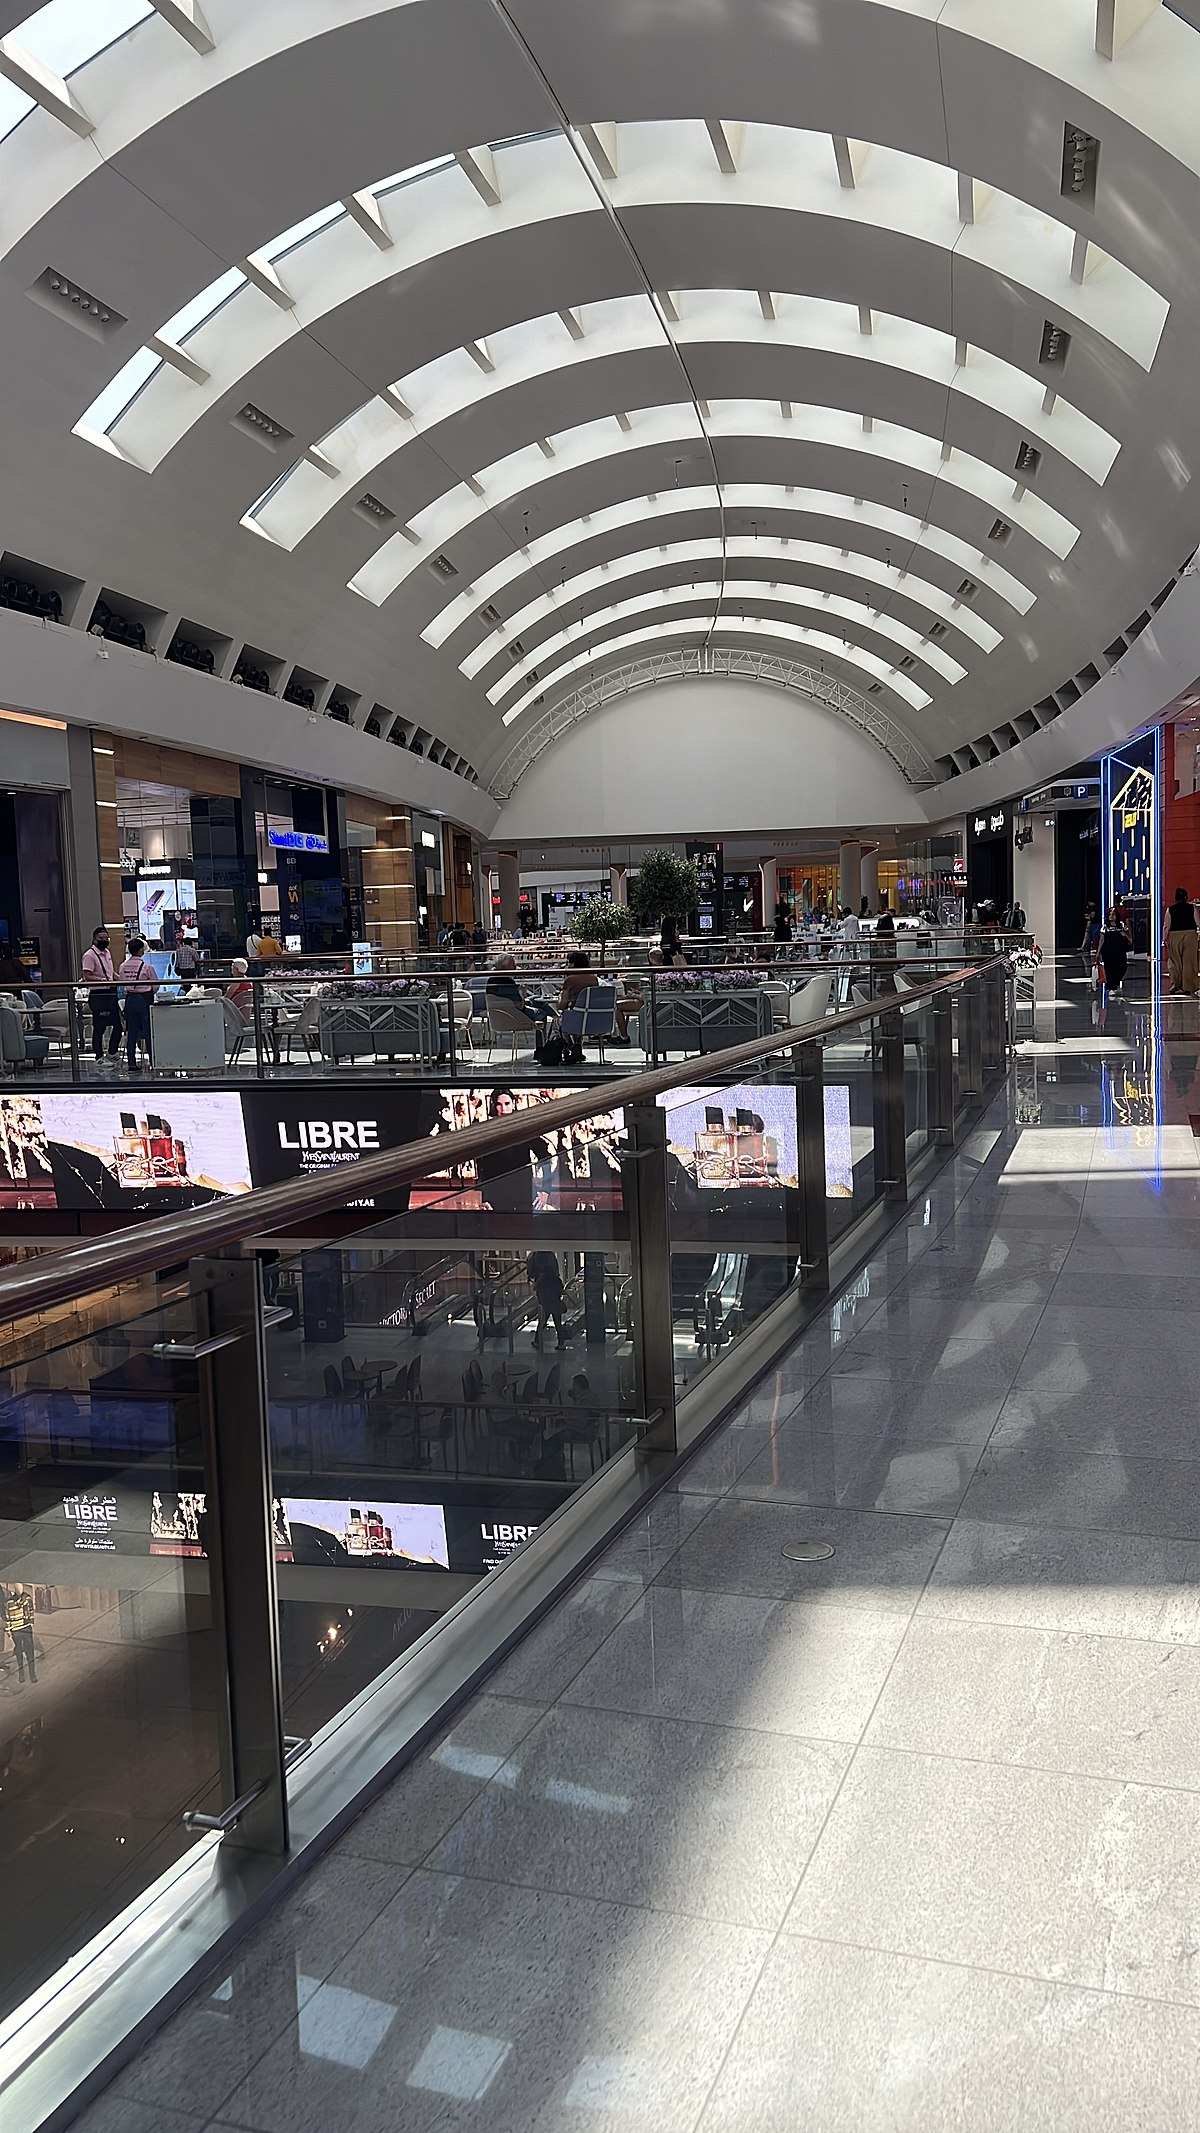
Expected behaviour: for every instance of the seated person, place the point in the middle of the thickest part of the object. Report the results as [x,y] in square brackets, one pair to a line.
[502,985]
[579,978]
[240,990]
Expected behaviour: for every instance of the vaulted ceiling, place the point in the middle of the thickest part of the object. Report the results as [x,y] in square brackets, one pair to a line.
[452,354]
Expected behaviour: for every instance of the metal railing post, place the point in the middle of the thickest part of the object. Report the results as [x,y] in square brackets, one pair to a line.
[73,1031]
[256,1005]
[452,1052]
[240,1544]
[644,1186]
[887,1065]
[653,1046]
[813,1240]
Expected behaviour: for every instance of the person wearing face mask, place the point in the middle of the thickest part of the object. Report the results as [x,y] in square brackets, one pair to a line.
[99,975]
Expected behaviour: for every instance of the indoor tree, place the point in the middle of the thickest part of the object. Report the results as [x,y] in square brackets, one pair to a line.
[599,921]
[664,887]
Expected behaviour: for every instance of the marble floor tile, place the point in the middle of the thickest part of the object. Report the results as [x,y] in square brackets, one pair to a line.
[946,1360]
[1079,1880]
[539,1668]
[1099,1706]
[711,1821]
[423,1802]
[198,2057]
[1043,1577]
[471,2007]
[863,1470]
[777,1666]
[1054,1485]
[1121,1287]
[880,1561]
[910,1414]
[713,1470]
[1086,1421]
[115,2114]
[653,1538]
[864,2042]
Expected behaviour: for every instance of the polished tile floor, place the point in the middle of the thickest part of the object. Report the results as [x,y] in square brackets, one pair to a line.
[902,1841]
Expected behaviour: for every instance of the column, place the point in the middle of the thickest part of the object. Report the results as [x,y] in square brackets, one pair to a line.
[869,879]
[850,873]
[616,875]
[769,870]
[1035,878]
[509,869]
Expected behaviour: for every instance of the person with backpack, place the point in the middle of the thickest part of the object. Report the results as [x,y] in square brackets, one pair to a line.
[139,979]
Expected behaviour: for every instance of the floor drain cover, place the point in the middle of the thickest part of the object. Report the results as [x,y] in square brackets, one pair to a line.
[808,1551]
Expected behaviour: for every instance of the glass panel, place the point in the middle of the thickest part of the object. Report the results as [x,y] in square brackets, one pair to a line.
[850,1181]
[919,1069]
[109,1668]
[444,1381]
[733,1181]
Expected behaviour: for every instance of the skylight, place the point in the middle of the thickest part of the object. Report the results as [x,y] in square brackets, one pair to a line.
[67,33]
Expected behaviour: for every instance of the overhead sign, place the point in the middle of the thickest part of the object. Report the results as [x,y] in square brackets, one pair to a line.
[297,841]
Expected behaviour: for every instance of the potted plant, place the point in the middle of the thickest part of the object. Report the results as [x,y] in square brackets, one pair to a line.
[665,887]
[597,922]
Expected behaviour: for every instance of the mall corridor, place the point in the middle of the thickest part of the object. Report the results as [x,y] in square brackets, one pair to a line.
[898,1839]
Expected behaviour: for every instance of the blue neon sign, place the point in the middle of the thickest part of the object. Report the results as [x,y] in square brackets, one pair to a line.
[297,841]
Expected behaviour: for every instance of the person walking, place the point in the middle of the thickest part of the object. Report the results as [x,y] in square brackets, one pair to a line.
[1113,953]
[1179,940]
[100,977]
[139,979]
[546,1279]
[18,1621]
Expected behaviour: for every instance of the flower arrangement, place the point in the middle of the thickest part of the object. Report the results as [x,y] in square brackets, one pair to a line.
[1029,958]
[714,980]
[365,989]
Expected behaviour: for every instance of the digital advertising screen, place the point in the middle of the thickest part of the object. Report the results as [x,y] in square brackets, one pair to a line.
[137,1149]
[569,1169]
[739,1139]
[335,1530]
[839,1150]
[311,1128]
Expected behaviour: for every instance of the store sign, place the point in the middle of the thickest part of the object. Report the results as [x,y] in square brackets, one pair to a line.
[297,841]
[356,1136]
[990,825]
[94,1519]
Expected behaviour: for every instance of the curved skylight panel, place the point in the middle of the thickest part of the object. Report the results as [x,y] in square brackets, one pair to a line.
[67,33]
[779,167]
[513,477]
[639,511]
[593,442]
[746,626]
[539,347]
[441,388]
[740,594]
[763,551]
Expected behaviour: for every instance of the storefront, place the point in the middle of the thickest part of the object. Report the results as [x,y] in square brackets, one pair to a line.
[35,926]
[990,859]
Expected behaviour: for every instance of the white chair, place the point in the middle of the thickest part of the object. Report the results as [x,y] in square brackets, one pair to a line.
[811,1001]
[505,1020]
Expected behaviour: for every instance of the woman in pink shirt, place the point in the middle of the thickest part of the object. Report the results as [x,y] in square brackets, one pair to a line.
[100,977]
[139,979]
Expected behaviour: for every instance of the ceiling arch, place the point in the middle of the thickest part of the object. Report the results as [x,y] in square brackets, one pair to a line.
[868,305]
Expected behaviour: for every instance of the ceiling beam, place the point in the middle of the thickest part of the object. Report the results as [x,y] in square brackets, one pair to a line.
[850,157]
[178,358]
[185,16]
[1117,21]
[394,399]
[573,323]
[45,87]
[601,144]
[726,137]
[478,352]
[766,304]
[479,165]
[261,274]
[364,209]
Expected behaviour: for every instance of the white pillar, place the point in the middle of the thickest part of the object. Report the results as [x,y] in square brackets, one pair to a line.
[616,875]
[509,868]
[1035,877]
[869,879]
[850,874]
[769,870]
